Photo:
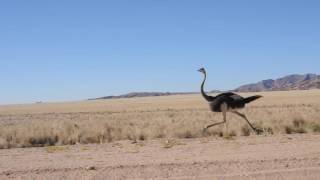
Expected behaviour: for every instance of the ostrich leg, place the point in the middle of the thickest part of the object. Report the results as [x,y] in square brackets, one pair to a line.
[215,124]
[224,108]
[258,131]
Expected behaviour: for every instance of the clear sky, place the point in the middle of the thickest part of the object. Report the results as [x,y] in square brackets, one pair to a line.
[72,50]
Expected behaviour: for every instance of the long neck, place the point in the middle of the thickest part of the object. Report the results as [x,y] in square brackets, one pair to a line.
[202,88]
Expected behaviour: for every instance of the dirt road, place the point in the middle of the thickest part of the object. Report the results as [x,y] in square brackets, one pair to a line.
[254,157]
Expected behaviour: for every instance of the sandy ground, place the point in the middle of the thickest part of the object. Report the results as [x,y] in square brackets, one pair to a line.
[255,157]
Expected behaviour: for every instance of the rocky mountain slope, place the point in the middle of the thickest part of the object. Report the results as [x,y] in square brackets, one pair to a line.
[291,82]
[142,94]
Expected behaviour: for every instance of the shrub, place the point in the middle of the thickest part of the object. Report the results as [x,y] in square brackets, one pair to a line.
[288,129]
[245,131]
[298,126]
[298,122]
[315,127]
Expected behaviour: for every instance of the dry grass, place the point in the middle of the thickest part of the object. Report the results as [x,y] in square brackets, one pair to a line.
[140,119]
[169,143]
[56,149]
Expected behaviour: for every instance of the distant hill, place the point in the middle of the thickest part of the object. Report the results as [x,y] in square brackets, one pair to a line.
[290,82]
[142,94]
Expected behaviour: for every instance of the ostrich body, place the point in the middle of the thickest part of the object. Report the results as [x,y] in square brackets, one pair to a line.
[227,102]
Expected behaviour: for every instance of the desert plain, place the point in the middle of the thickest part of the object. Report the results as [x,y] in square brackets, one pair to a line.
[162,138]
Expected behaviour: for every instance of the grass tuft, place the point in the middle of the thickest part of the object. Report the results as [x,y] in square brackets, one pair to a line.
[56,149]
[315,128]
[245,130]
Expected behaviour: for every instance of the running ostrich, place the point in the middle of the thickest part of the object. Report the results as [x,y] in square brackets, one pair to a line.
[227,102]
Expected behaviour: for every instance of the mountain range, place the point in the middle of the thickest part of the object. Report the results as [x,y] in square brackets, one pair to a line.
[291,82]
[286,83]
[143,94]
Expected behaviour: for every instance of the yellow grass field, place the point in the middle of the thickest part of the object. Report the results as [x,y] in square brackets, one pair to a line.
[161,138]
[138,119]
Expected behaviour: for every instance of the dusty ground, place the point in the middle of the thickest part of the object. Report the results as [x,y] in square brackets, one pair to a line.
[254,157]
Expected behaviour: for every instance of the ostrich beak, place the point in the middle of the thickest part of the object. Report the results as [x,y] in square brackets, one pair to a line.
[201,70]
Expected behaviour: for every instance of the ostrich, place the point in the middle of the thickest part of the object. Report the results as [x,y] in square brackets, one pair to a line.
[227,102]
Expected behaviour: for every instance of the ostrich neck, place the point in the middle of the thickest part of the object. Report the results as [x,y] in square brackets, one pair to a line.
[202,89]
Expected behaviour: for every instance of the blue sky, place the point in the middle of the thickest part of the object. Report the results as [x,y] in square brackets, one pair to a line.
[73,50]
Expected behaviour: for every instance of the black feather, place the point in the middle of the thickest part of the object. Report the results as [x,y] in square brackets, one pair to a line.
[251,98]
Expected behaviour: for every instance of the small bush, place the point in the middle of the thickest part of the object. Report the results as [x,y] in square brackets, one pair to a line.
[160,135]
[298,126]
[3,144]
[232,133]
[245,131]
[55,149]
[288,129]
[214,132]
[43,141]
[297,123]
[186,134]
[315,128]
[300,130]
[227,136]
[269,130]
[169,143]
[142,137]
[220,134]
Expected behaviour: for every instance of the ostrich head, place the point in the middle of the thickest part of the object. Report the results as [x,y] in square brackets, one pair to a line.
[202,70]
